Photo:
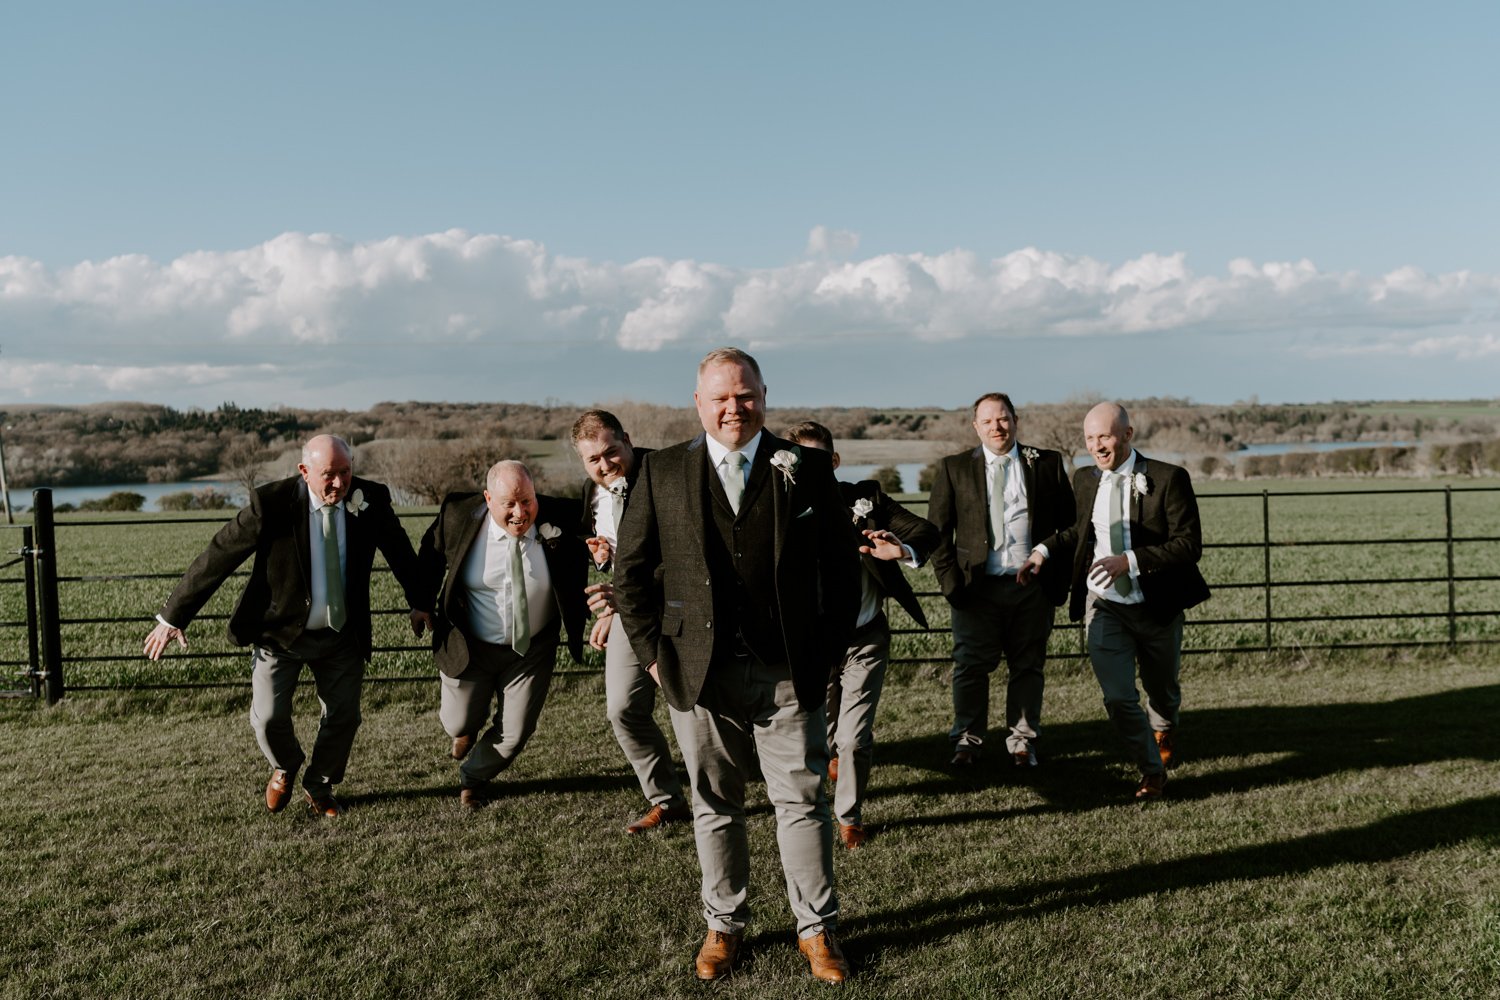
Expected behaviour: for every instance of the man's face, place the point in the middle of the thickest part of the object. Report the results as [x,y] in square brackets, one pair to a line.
[327,474]
[606,457]
[512,503]
[1107,440]
[995,425]
[731,404]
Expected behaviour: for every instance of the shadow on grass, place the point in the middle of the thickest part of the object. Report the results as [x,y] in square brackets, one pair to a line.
[1381,841]
[499,788]
[1308,742]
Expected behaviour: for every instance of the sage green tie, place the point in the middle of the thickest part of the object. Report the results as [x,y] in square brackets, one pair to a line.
[1117,488]
[520,619]
[333,577]
[734,483]
[997,504]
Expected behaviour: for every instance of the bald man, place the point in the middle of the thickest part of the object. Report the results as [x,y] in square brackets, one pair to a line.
[1136,544]
[307,603]
[509,571]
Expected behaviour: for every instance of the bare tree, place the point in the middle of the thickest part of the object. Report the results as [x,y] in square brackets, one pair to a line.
[426,471]
[245,462]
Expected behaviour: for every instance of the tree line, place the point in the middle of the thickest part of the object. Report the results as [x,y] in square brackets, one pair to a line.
[426,449]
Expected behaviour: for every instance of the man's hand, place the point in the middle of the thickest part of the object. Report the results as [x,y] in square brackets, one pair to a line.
[655,676]
[601,598]
[156,642]
[420,622]
[1030,568]
[883,545]
[600,550]
[1105,571]
[599,634]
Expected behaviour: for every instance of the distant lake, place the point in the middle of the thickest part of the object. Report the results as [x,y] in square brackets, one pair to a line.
[21,499]
[910,473]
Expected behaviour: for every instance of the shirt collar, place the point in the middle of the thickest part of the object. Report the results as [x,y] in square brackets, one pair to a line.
[717,452]
[1127,468]
[990,458]
[498,534]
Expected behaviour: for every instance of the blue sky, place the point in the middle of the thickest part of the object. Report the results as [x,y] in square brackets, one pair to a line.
[335,203]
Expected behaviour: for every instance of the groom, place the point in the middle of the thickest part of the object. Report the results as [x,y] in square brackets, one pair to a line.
[737,582]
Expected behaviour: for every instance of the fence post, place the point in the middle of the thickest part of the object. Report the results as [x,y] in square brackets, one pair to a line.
[33,662]
[47,610]
[1265,524]
[1452,583]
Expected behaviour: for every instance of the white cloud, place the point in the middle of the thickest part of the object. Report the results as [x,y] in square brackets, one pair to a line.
[132,325]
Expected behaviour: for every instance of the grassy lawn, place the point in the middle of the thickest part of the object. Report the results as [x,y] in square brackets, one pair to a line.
[1334,831]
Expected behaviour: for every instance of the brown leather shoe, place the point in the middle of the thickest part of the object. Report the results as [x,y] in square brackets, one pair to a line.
[1024,758]
[852,835]
[825,957]
[278,790]
[660,816]
[965,758]
[1153,787]
[1166,748]
[716,957]
[833,769]
[324,806]
[461,747]
[472,798]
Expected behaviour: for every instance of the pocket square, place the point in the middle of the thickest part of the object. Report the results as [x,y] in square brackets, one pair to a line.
[805,513]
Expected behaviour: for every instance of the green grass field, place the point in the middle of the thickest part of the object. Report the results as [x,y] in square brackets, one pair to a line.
[1333,832]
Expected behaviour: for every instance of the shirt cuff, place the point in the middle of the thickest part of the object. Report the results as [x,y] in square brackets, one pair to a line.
[167,623]
[1043,550]
[911,557]
[1135,568]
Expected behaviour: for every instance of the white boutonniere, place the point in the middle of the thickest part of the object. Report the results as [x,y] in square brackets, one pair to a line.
[549,534]
[356,502]
[786,462]
[1030,454]
[1140,485]
[862,508]
[618,488]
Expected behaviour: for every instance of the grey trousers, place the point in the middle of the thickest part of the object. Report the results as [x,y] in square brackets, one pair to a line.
[996,617]
[1120,636]
[756,714]
[338,669]
[630,703]
[853,695]
[518,684]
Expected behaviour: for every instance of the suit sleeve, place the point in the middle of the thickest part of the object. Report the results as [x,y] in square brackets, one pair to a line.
[432,559]
[231,545]
[918,532]
[636,561]
[1184,542]
[943,513]
[1062,543]
[392,541]
[838,558]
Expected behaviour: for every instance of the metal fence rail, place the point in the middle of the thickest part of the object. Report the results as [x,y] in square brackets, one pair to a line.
[47,660]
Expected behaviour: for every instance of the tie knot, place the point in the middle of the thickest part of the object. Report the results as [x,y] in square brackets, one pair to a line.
[736,460]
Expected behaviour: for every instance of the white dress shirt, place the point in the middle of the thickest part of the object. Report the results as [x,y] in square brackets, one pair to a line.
[604,515]
[317,615]
[1100,518]
[486,576]
[1016,545]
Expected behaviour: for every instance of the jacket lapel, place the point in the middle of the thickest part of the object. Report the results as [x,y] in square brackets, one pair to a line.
[979,497]
[300,513]
[695,475]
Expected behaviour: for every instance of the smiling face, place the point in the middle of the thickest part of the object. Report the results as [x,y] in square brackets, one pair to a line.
[731,403]
[995,425]
[511,498]
[605,456]
[327,468]
[1106,435]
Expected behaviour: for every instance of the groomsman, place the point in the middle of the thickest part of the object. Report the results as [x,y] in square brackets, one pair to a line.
[1135,549]
[509,574]
[737,581]
[612,464]
[891,537]
[990,505]
[307,603]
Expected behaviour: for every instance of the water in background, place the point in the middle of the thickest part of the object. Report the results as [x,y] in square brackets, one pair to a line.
[21,499]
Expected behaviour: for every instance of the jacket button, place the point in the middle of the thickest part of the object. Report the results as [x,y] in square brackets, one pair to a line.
[708,624]
[307,603]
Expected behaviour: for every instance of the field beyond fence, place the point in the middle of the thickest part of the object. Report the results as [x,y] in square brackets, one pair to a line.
[1293,570]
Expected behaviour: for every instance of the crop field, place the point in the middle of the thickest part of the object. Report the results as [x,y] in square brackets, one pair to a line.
[1323,545]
